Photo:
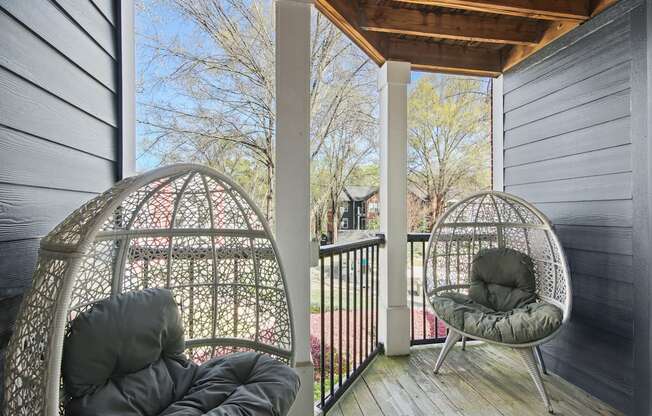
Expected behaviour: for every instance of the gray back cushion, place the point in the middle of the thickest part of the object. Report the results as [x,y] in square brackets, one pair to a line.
[124,357]
[502,279]
[121,335]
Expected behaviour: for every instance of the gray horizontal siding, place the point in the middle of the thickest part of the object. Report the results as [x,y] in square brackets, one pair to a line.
[567,148]
[614,213]
[593,360]
[58,121]
[567,68]
[30,212]
[600,136]
[17,267]
[588,114]
[22,52]
[57,30]
[616,267]
[58,126]
[106,8]
[600,162]
[593,188]
[92,21]
[33,161]
[600,85]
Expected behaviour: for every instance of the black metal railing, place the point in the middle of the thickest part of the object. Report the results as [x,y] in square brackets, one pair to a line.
[425,328]
[348,316]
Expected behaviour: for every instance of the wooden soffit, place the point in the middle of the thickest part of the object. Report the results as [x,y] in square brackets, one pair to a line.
[483,37]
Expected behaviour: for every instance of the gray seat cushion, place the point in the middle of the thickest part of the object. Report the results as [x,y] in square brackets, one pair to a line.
[240,384]
[529,323]
[125,357]
[502,303]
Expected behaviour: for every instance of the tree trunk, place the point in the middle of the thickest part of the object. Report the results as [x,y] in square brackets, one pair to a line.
[269,195]
[318,223]
[439,207]
[336,217]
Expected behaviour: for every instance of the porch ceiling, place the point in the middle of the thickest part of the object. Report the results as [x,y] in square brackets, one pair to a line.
[481,37]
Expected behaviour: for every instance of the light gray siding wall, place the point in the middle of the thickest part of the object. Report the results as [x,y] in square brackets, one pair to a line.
[58,126]
[568,148]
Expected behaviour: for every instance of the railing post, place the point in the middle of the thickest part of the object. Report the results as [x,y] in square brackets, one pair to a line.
[394,320]
[292,213]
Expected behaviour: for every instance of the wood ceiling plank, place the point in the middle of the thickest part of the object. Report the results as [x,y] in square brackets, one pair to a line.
[598,6]
[343,14]
[524,26]
[492,29]
[577,10]
[440,57]
[555,30]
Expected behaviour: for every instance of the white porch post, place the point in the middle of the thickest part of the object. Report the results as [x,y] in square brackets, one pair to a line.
[497,134]
[293,177]
[394,318]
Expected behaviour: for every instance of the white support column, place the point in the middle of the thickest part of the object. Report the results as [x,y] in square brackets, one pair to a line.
[127,91]
[293,177]
[394,318]
[497,134]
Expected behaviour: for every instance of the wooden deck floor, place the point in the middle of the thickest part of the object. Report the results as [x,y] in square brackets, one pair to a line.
[484,380]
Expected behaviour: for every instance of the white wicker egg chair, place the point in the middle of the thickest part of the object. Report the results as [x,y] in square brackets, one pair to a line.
[183,227]
[489,220]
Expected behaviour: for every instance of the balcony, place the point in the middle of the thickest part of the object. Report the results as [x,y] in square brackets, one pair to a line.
[570,133]
[354,377]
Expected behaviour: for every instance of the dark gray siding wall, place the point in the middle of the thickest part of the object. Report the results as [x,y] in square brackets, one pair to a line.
[348,214]
[58,126]
[568,149]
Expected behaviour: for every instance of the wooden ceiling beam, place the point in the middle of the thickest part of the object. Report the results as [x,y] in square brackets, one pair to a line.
[343,14]
[524,26]
[440,57]
[493,29]
[577,10]
[598,6]
[518,53]
[555,29]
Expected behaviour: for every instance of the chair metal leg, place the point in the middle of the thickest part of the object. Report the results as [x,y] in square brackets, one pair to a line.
[463,343]
[451,340]
[542,364]
[529,358]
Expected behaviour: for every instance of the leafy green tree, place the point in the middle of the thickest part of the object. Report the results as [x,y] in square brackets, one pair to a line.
[207,95]
[449,148]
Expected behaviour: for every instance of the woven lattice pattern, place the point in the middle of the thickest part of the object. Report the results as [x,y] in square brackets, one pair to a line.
[183,227]
[495,219]
[26,371]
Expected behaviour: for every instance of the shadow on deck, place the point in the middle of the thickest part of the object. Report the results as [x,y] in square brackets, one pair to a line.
[484,380]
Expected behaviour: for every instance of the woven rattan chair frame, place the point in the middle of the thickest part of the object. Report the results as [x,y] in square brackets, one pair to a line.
[496,219]
[184,227]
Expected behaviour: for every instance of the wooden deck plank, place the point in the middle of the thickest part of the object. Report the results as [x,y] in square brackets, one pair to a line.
[384,399]
[400,397]
[395,369]
[349,405]
[488,384]
[465,398]
[365,399]
[416,371]
[335,410]
[508,366]
[484,380]
[562,392]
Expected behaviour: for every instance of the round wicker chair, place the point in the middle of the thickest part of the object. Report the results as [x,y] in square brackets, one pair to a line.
[183,227]
[496,220]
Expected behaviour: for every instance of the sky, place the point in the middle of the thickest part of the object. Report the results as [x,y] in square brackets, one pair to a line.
[155,18]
